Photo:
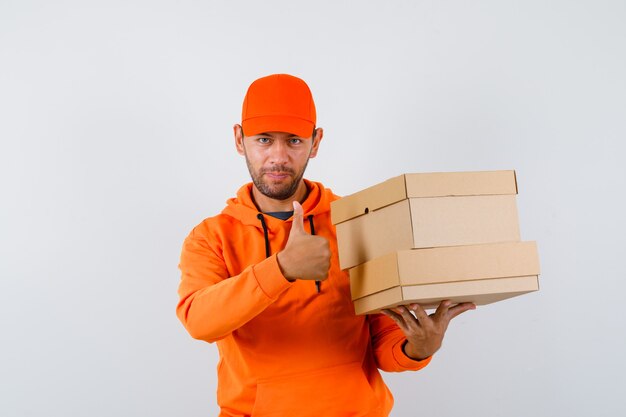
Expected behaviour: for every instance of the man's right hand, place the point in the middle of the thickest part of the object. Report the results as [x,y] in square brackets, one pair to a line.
[305,256]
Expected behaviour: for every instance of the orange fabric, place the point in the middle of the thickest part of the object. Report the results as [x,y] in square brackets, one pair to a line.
[278,103]
[284,349]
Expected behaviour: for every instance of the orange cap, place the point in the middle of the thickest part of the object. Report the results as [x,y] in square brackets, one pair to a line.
[278,103]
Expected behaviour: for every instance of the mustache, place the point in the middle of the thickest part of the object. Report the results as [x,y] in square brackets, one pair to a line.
[278,168]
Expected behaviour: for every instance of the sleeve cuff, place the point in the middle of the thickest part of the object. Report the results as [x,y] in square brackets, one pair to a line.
[270,278]
[404,361]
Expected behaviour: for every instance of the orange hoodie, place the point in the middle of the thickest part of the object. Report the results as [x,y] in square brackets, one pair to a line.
[285,349]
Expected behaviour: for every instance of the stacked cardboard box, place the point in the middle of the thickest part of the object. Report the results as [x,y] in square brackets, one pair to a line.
[428,237]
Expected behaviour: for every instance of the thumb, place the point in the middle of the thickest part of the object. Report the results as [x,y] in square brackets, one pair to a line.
[297,222]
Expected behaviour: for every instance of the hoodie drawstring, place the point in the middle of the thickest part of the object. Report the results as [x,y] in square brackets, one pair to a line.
[268,251]
[318,284]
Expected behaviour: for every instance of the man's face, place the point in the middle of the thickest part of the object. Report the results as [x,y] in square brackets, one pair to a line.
[277,160]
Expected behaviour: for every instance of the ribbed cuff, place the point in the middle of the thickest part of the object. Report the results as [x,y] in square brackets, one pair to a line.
[269,277]
[404,361]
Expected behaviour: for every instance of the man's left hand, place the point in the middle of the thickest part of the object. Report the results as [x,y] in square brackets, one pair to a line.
[424,332]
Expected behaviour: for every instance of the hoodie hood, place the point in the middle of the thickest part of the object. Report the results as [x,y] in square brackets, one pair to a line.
[243,208]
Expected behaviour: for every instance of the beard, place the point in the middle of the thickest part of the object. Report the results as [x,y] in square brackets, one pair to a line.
[275,189]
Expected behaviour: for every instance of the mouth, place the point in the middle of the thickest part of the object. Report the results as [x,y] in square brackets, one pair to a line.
[277,175]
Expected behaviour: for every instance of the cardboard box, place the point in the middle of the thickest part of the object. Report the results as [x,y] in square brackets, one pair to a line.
[481,274]
[429,296]
[441,265]
[426,210]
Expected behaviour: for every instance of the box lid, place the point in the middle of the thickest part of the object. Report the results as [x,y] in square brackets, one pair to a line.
[435,184]
[446,264]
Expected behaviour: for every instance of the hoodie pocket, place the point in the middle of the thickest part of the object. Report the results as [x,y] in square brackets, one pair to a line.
[337,391]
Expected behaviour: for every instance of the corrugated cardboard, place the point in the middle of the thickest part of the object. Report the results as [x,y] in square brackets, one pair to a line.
[426,210]
[447,264]
[479,292]
[437,184]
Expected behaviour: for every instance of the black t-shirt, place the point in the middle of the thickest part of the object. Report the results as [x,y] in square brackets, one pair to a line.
[283,215]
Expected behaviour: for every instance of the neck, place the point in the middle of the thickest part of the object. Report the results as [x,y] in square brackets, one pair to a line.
[267,204]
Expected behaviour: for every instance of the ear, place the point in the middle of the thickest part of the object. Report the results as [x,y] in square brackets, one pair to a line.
[317,138]
[238,131]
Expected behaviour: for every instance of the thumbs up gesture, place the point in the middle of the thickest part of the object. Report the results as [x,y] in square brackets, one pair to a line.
[305,256]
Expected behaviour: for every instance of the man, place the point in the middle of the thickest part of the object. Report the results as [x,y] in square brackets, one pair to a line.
[262,280]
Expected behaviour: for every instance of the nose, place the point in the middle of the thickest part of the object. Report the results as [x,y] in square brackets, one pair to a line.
[279,152]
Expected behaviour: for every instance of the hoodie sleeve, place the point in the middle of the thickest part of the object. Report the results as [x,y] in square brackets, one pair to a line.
[387,342]
[212,304]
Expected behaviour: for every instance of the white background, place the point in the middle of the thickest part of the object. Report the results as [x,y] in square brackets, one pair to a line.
[116,139]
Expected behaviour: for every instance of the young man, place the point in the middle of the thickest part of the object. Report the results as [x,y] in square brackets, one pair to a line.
[262,280]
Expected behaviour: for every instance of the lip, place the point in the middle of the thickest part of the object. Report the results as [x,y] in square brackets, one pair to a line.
[277,175]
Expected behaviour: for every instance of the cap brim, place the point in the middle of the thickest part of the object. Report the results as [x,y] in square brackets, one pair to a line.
[264,124]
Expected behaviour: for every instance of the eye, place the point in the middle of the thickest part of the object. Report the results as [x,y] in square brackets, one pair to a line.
[295,141]
[263,140]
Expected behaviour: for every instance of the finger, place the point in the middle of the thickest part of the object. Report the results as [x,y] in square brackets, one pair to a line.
[420,314]
[395,317]
[442,309]
[297,222]
[409,319]
[460,308]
